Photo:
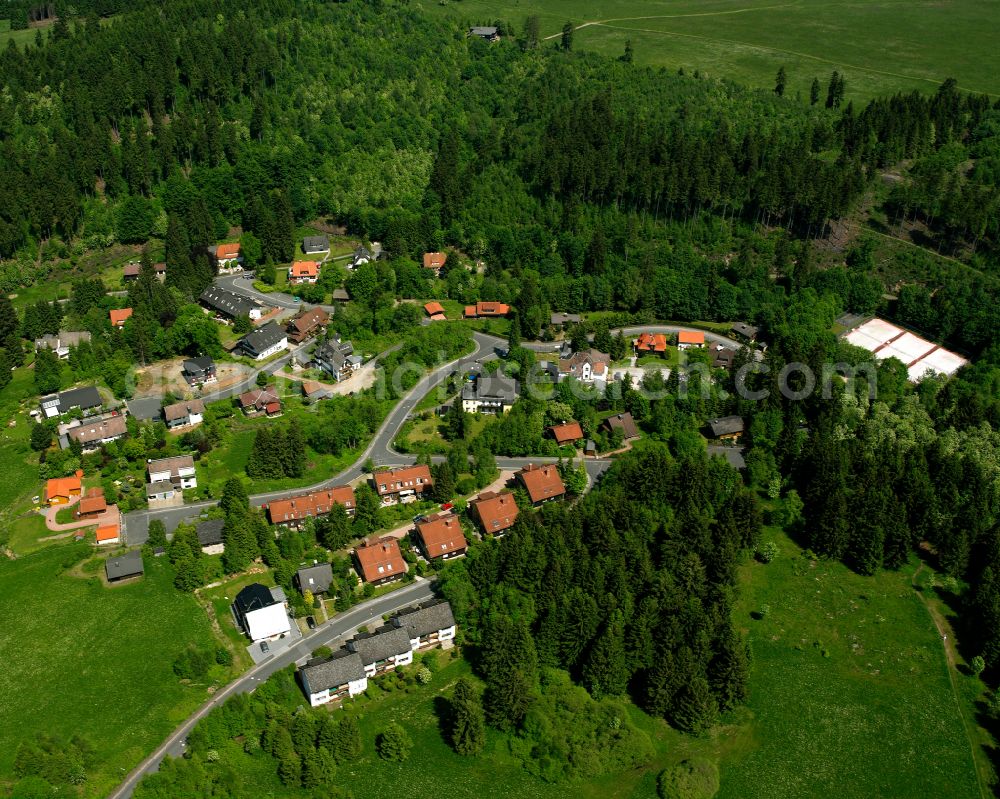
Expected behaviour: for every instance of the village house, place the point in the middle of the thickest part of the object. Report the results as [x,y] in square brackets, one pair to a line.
[62,490]
[380,561]
[587,366]
[331,679]
[542,483]
[725,428]
[567,433]
[313,391]
[92,504]
[228,304]
[120,316]
[435,261]
[131,272]
[402,485]
[86,399]
[496,513]
[209,534]
[198,371]
[61,342]
[383,650]
[563,319]
[302,272]
[654,343]
[723,357]
[93,433]
[178,471]
[489,33]
[440,536]
[744,331]
[623,422]
[124,567]
[364,255]
[317,503]
[261,613]
[486,310]
[313,245]
[184,414]
[337,359]
[227,257]
[307,323]
[687,339]
[428,625]
[435,311]
[494,393]
[264,342]
[345,673]
[107,535]
[316,578]
[260,400]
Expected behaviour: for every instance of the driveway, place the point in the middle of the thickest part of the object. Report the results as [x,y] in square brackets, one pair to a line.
[110,516]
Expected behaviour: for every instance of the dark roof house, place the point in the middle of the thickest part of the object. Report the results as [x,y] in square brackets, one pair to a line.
[425,619]
[623,422]
[317,578]
[226,302]
[210,532]
[384,643]
[124,566]
[313,244]
[726,426]
[264,341]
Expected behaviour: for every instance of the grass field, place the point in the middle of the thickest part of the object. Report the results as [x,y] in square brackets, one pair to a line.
[850,694]
[82,658]
[880,46]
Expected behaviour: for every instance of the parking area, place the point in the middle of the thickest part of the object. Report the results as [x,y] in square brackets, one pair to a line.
[275,647]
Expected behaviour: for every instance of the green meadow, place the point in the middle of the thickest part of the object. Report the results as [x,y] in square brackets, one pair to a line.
[83,658]
[881,47]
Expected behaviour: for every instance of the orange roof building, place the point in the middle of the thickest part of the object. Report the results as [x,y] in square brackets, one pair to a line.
[60,490]
[118,317]
[303,272]
[690,338]
[380,561]
[542,483]
[486,309]
[402,484]
[92,504]
[107,534]
[441,536]
[435,311]
[567,432]
[496,513]
[291,511]
[228,252]
[434,260]
[651,342]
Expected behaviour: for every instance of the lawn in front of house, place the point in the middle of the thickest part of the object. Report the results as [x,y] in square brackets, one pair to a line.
[82,658]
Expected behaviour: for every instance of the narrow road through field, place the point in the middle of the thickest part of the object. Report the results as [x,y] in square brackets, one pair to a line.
[951,657]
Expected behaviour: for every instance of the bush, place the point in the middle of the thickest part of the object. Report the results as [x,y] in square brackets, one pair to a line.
[690,779]
[767,552]
[393,744]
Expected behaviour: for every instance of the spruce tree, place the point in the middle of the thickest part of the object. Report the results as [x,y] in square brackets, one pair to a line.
[606,672]
[695,709]
[468,723]
[347,745]
[814,91]
[780,82]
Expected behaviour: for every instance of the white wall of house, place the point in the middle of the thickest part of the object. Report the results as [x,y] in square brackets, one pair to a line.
[281,345]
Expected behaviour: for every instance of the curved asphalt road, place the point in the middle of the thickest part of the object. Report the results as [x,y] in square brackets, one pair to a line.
[340,626]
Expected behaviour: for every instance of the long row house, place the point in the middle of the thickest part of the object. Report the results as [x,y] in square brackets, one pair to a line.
[346,673]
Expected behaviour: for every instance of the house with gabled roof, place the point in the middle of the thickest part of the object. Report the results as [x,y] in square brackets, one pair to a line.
[228,303]
[61,343]
[430,624]
[209,534]
[435,311]
[725,428]
[184,414]
[264,341]
[198,371]
[260,400]
[61,490]
[440,536]
[316,578]
[293,510]
[227,257]
[307,323]
[495,513]
[120,316]
[587,366]
[487,310]
[655,343]
[542,483]
[92,504]
[312,245]
[332,679]
[337,358]
[124,567]
[302,272]
[623,422]
[690,338]
[435,261]
[380,561]
[383,650]
[95,433]
[567,433]
[402,485]
[86,398]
